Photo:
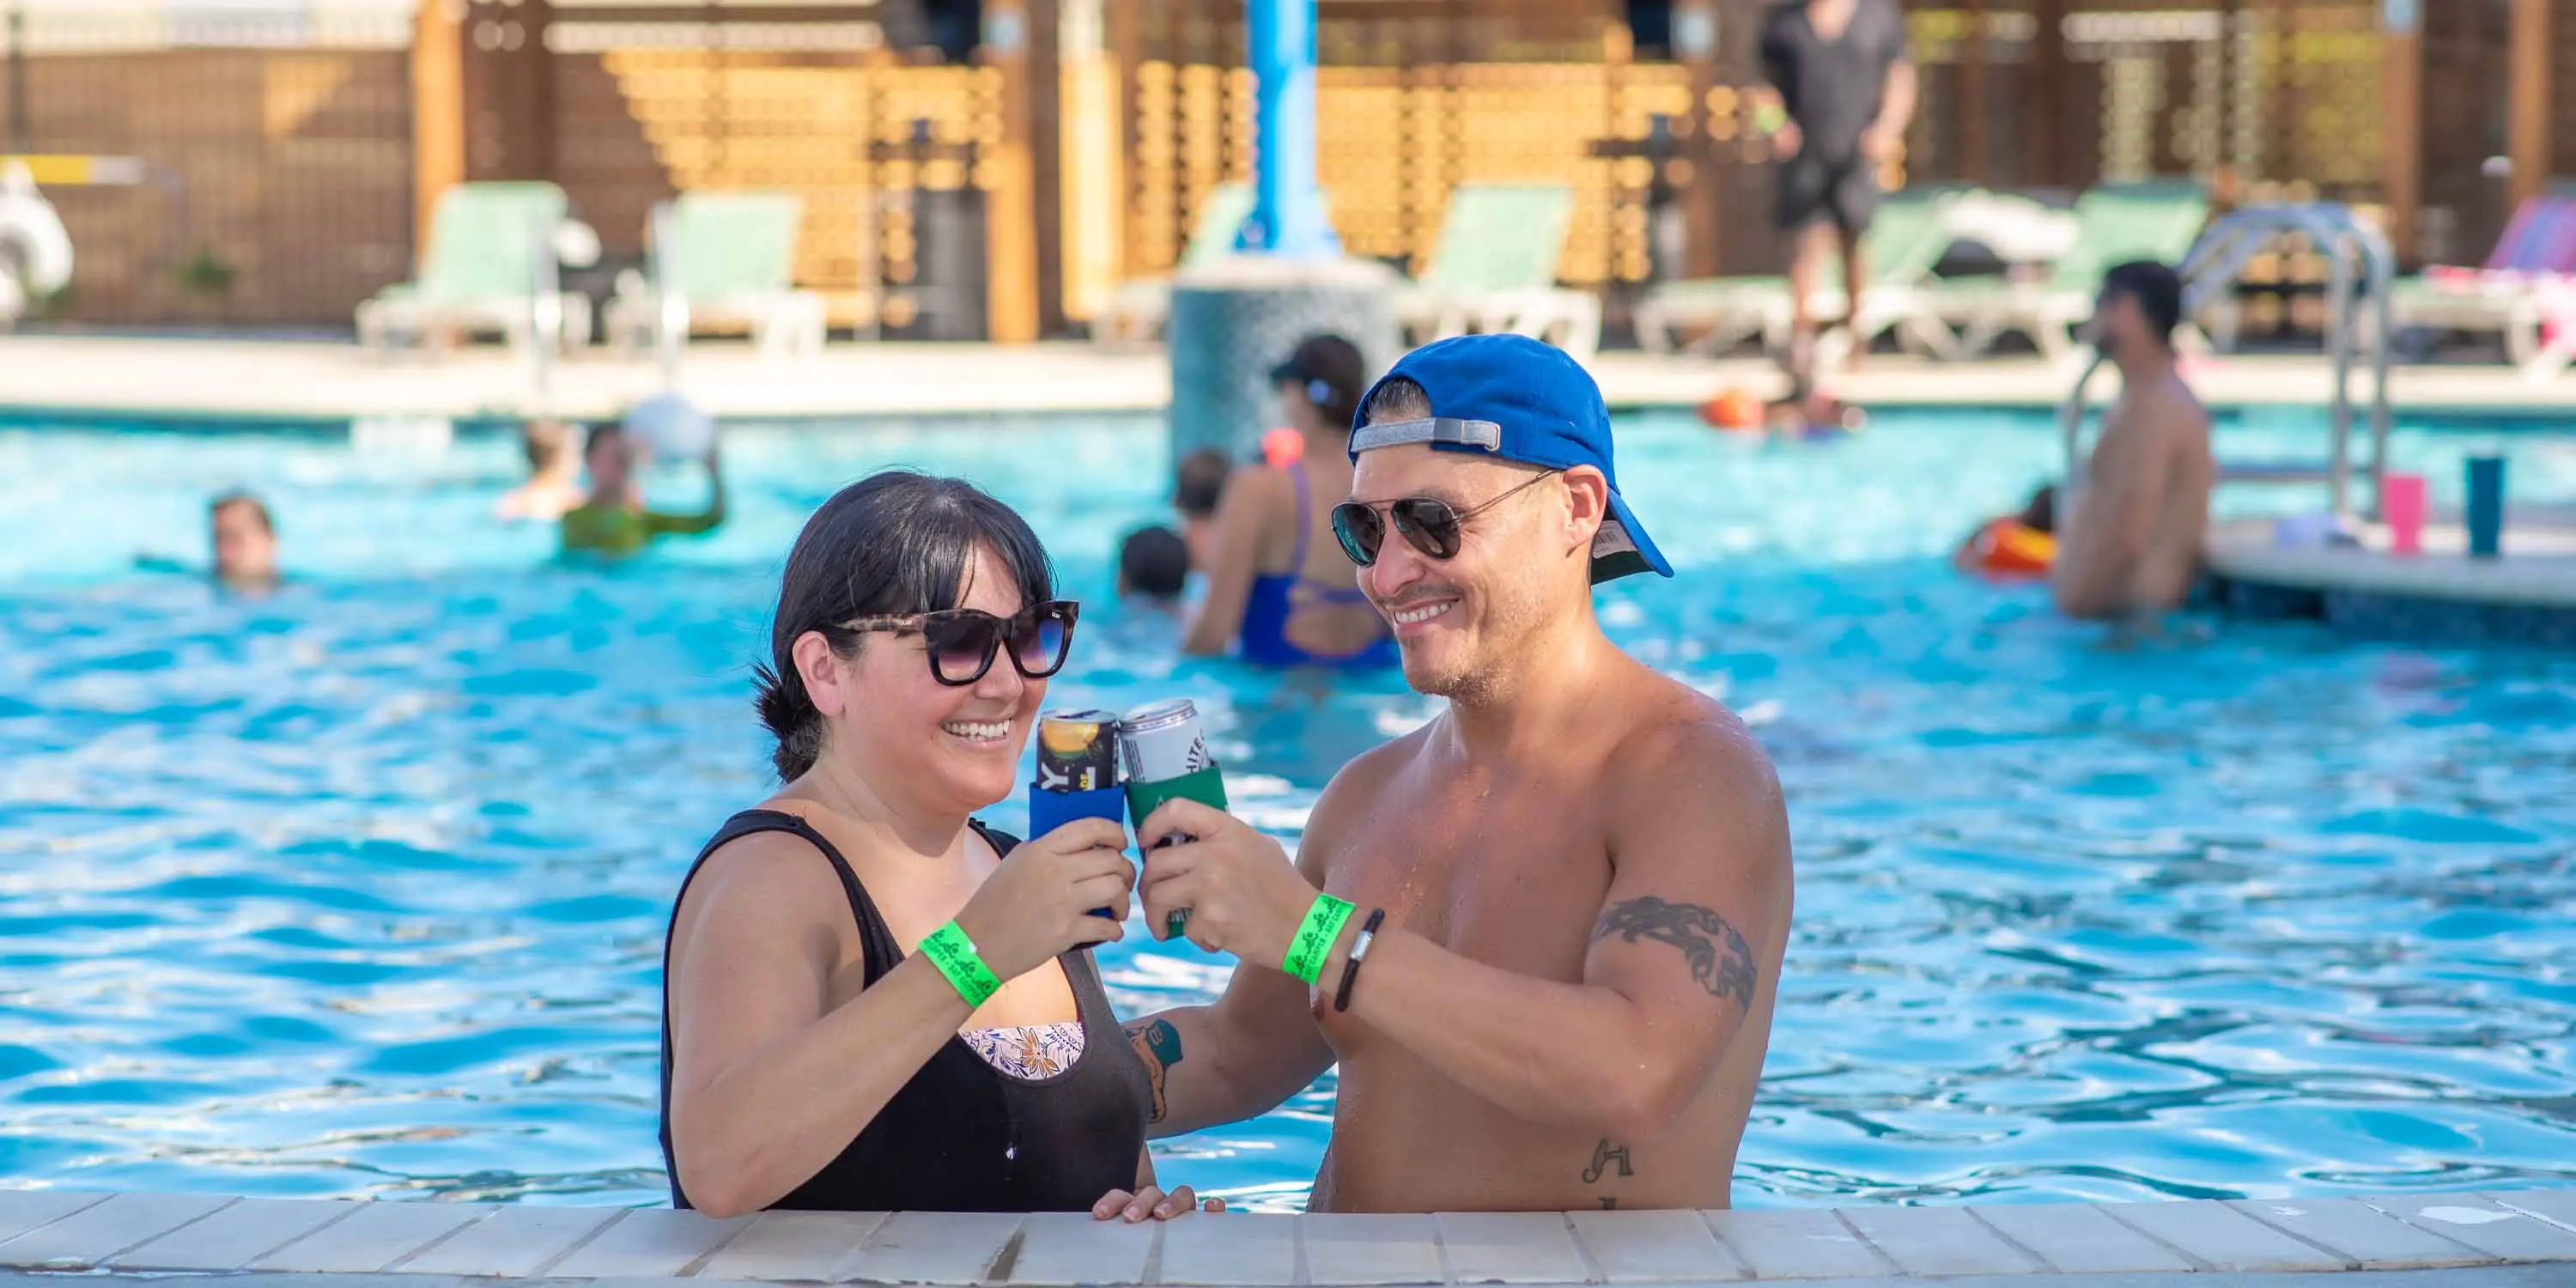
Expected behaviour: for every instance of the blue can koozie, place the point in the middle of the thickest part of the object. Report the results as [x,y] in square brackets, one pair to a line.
[2486,507]
[1051,810]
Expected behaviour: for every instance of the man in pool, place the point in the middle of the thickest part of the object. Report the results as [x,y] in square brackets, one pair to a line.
[1582,865]
[614,521]
[245,541]
[2133,524]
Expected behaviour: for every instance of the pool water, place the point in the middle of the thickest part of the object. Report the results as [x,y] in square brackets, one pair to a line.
[359,888]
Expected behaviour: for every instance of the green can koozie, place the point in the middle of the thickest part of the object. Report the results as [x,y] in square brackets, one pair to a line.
[1206,786]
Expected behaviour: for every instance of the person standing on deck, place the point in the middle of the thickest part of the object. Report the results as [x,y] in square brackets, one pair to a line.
[1841,93]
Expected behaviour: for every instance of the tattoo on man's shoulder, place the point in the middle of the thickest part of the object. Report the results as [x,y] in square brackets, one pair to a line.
[1158,1044]
[1716,951]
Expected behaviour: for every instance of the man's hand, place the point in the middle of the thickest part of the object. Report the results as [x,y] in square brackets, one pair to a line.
[1243,895]
[1881,144]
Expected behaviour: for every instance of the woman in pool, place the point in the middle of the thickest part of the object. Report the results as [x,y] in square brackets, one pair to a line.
[1279,588]
[871,1001]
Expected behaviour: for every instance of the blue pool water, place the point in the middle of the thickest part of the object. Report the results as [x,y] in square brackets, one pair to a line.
[360,888]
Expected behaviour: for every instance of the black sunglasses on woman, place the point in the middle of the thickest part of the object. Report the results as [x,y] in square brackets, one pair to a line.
[961,642]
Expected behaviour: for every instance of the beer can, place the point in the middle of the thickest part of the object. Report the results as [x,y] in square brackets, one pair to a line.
[1163,740]
[1077,751]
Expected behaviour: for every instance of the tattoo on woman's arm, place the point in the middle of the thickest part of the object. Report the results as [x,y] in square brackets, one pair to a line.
[1717,954]
[1158,1044]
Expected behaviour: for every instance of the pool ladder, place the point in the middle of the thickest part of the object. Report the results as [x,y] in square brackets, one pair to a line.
[2363,269]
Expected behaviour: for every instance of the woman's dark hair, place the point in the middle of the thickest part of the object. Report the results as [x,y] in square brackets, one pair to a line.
[892,544]
[1333,373]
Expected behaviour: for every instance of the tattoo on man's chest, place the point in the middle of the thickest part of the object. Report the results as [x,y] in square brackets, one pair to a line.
[1604,1157]
[1719,959]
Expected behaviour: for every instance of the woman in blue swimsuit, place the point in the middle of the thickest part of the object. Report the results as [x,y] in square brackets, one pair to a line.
[1280,592]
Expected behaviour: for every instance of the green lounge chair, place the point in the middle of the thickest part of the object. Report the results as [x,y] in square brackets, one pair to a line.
[2113,226]
[489,246]
[1136,311]
[730,259]
[1494,270]
[1903,243]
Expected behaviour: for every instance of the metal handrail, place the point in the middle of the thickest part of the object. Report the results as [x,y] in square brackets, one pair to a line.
[2216,261]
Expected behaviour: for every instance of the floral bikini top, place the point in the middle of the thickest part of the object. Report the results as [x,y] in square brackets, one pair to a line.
[1029,1052]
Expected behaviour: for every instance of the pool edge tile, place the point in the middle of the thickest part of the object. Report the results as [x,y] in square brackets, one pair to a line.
[517,1241]
[932,1248]
[2218,1236]
[99,1231]
[2110,1247]
[1939,1241]
[1071,1248]
[795,1246]
[2368,1237]
[1233,1250]
[2517,1238]
[1651,1245]
[23,1212]
[373,1235]
[297,1218]
[1509,1248]
[1795,1243]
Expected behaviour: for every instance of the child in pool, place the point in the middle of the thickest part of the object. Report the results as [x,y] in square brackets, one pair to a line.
[614,521]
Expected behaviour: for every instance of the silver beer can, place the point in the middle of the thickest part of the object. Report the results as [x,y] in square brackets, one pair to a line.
[1163,740]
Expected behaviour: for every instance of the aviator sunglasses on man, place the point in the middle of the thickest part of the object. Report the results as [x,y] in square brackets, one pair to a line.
[961,642]
[1427,523]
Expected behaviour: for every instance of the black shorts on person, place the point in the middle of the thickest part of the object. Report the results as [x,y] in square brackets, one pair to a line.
[1814,190]
[962,1136]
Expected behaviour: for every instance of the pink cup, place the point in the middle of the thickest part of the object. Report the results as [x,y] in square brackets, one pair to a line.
[2402,504]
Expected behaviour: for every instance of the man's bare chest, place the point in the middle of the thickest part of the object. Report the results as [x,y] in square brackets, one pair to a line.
[1517,887]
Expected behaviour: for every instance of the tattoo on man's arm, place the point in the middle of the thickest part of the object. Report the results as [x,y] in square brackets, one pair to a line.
[1158,1044]
[1718,956]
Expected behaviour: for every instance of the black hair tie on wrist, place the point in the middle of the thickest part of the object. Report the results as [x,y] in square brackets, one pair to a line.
[1359,951]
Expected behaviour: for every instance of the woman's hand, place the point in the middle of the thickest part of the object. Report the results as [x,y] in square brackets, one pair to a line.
[1151,1201]
[1038,903]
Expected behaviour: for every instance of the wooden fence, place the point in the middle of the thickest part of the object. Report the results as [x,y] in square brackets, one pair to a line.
[1076,147]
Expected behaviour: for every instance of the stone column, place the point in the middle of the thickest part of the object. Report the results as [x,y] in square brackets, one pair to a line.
[1235,319]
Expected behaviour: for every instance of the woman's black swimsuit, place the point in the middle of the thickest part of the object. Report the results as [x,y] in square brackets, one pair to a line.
[962,1136]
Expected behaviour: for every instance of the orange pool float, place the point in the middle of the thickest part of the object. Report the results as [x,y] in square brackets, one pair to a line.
[1735,411]
[2009,550]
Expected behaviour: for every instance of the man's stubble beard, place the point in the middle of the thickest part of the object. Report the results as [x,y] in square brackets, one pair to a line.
[1509,624]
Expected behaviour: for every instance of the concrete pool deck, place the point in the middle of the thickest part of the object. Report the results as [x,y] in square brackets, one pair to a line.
[91,377]
[2504,1239]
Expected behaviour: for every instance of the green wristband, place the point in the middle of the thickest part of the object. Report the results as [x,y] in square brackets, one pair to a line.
[954,954]
[1313,941]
